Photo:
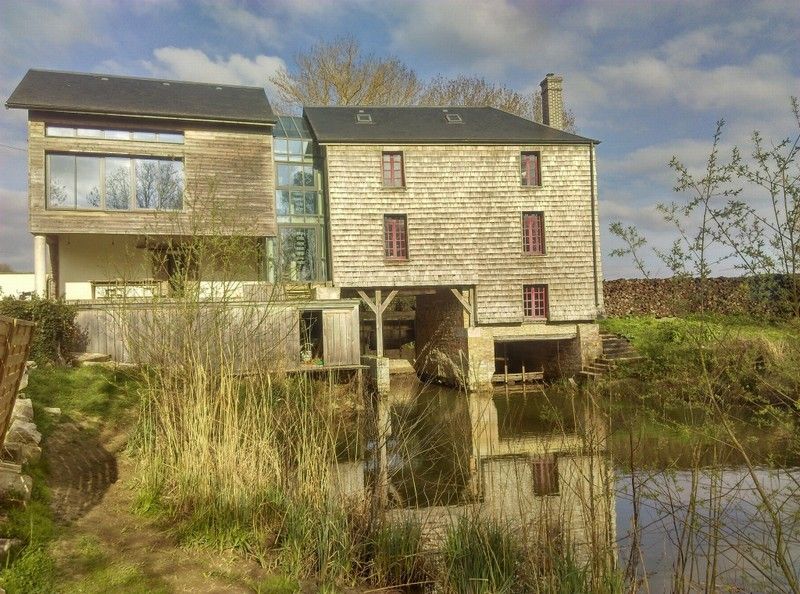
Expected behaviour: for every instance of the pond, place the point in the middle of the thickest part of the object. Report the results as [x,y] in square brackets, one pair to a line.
[664,512]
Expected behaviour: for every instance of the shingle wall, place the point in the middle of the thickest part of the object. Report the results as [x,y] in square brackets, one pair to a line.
[464,206]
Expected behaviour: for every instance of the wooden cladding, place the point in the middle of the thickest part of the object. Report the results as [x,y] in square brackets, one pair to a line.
[228,177]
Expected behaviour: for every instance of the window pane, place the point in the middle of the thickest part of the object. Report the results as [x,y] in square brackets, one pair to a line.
[281,147]
[298,203]
[282,202]
[170,137]
[60,131]
[296,148]
[159,184]
[311,203]
[61,186]
[146,136]
[308,176]
[298,252]
[88,182]
[118,135]
[118,183]
[90,133]
[290,175]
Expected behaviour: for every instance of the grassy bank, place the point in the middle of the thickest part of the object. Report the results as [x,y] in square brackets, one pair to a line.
[94,397]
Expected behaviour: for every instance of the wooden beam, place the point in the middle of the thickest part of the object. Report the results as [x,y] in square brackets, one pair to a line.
[465,304]
[370,303]
[378,323]
[388,300]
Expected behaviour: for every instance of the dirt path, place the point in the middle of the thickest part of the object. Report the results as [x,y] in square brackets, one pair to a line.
[105,547]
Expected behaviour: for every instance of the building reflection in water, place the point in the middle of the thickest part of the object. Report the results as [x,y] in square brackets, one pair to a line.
[535,464]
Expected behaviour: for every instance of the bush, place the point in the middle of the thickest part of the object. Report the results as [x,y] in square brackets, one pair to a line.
[56,332]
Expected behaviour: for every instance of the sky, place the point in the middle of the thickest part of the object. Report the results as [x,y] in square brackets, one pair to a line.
[648,79]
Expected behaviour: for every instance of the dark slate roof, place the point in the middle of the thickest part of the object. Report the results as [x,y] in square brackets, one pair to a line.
[99,93]
[429,124]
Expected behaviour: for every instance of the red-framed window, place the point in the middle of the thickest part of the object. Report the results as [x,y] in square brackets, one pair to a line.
[531,168]
[393,176]
[533,233]
[535,301]
[395,238]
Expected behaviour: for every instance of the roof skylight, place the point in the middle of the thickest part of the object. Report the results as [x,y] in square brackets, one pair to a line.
[363,118]
[453,118]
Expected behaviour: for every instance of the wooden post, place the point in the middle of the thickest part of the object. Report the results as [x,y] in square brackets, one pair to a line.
[378,306]
[378,324]
[523,380]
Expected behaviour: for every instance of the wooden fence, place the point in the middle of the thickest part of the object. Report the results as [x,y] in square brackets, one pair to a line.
[15,344]
[248,333]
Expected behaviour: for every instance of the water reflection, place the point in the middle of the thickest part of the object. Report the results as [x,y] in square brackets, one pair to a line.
[539,467]
[670,516]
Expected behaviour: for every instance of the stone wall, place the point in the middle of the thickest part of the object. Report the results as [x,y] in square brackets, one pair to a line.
[666,297]
[441,336]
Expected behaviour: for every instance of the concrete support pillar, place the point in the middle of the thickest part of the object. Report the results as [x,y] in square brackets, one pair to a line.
[40,264]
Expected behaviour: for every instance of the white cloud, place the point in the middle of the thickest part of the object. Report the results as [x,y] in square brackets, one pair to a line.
[194,65]
[488,38]
[243,22]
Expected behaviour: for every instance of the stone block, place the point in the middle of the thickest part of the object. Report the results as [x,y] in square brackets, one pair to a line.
[15,484]
[23,453]
[23,432]
[23,409]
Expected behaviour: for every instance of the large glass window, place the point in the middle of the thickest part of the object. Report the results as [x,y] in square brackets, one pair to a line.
[159,184]
[298,250]
[87,178]
[299,202]
[118,183]
[138,135]
[113,183]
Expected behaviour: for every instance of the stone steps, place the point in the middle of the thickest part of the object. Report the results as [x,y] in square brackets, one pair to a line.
[617,350]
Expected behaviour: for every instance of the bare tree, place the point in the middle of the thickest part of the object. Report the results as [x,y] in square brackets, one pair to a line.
[339,73]
[5,267]
[475,92]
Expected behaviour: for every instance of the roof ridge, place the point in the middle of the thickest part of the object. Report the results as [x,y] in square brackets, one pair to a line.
[401,107]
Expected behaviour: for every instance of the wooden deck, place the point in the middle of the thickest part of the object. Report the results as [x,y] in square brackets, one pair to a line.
[513,378]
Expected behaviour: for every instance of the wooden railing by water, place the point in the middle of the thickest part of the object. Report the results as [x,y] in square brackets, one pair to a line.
[15,344]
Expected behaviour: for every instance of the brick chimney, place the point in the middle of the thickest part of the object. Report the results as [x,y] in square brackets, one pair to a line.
[552,101]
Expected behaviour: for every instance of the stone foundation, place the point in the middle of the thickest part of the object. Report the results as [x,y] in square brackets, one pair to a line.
[448,350]
[441,337]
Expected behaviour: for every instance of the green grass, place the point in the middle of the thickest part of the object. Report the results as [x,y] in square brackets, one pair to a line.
[92,571]
[481,556]
[91,394]
[642,329]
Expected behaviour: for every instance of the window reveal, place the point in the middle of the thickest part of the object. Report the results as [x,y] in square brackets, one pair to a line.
[395,237]
[535,302]
[393,176]
[533,233]
[531,169]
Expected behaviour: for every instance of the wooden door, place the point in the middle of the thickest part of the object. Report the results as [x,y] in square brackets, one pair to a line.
[339,337]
